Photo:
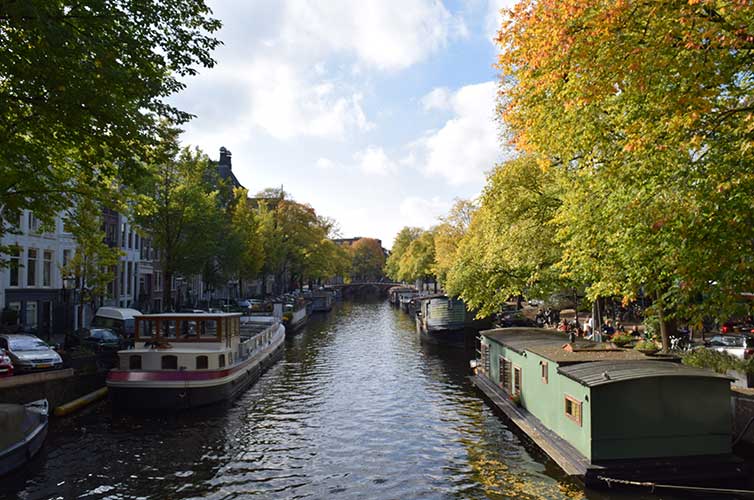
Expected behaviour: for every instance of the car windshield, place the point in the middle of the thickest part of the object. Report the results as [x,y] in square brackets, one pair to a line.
[104,334]
[28,344]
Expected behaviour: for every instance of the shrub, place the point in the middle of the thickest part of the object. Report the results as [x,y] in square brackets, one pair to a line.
[718,361]
[621,339]
[646,345]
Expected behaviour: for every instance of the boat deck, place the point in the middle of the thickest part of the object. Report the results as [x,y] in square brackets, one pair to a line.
[562,452]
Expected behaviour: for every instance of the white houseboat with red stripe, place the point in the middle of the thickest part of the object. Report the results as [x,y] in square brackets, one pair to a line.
[182,361]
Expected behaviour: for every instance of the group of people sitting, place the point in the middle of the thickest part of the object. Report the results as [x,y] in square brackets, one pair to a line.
[586,329]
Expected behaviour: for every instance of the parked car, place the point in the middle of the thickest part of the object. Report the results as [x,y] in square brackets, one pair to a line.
[120,319]
[245,303]
[6,365]
[740,346]
[29,353]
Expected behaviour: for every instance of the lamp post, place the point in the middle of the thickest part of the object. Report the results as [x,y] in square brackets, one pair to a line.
[69,282]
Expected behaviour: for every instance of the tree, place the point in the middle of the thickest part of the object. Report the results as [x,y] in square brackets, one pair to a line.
[92,266]
[646,109]
[448,234]
[510,248]
[182,214]
[418,261]
[367,260]
[83,87]
[402,240]
[245,231]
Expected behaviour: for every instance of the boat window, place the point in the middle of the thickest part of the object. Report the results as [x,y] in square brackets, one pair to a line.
[544,371]
[146,329]
[202,362]
[169,362]
[189,329]
[236,322]
[516,389]
[221,361]
[209,328]
[134,362]
[168,329]
[230,358]
[573,409]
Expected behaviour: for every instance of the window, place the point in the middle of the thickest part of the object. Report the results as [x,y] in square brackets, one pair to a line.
[169,362]
[134,362]
[16,306]
[210,328]
[122,286]
[516,389]
[573,409]
[130,239]
[544,371]
[221,361]
[33,223]
[129,275]
[14,264]
[189,329]
[31,267]
[504,367]
[202,362]
[47,268]
[66,257]
[123,234]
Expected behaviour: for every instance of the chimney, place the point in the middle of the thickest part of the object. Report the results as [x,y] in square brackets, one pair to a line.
[224,157]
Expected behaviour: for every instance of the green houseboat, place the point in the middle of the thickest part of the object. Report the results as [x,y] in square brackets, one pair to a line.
[446,320]
[604,413]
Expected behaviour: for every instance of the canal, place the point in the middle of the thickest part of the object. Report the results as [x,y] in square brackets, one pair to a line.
[358,409]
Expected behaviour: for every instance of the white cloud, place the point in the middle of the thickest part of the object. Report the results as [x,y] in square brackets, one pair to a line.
[493,19]
[438,98]
[325,164]
[467,145]
[387,34]
[373,160]
[422,212]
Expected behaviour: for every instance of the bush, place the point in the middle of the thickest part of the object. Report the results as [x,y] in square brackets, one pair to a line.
[646,345]
[718,361]
[621,339]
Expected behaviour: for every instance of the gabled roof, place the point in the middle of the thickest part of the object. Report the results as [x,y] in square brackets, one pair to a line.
[609,372]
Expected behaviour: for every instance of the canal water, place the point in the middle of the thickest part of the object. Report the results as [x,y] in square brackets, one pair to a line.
[358,409]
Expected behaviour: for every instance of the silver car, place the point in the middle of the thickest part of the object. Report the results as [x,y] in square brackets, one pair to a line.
[739,346]
[30,353]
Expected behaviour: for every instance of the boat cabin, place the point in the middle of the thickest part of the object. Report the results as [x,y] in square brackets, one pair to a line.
[609,403]
[175,341]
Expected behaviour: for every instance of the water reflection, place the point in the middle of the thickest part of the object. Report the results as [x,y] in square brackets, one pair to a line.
[359,408]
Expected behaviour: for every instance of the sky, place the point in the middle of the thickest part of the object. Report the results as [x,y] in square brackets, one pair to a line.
[377,113]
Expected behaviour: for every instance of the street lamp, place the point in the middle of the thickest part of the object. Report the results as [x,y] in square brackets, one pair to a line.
[69,282]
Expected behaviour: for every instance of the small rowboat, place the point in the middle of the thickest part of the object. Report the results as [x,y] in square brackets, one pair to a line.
[23,429]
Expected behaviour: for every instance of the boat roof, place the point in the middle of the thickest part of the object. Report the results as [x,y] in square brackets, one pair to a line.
[584,351]
[522,338]
[610,372]
[190,315]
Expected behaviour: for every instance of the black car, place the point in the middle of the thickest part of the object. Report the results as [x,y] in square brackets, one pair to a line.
[98,339]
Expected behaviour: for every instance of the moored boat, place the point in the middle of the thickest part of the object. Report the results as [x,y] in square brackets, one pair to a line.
[296,314]
[23,429]
[181,361]
[445,320]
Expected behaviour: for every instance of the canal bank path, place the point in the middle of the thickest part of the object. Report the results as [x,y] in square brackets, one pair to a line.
[358,409]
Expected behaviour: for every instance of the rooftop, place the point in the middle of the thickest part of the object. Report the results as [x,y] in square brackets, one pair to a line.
[608,372]
[521,339]
[585,351]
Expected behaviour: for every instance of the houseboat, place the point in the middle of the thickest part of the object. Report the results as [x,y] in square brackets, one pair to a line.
[405,297]
[23,429]
[606,414]
[394,294]
[321,300]
[181,361]
[296,314]
[444,320]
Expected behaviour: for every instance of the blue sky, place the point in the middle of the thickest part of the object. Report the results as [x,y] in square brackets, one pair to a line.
[378,113]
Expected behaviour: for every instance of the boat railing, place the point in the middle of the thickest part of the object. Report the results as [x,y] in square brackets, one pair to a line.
[255,336]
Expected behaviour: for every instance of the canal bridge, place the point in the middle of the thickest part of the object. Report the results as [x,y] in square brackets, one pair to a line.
[365,289]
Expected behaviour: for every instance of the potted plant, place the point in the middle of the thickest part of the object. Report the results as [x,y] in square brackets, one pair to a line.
[516,399]
[647,346]
[621,339]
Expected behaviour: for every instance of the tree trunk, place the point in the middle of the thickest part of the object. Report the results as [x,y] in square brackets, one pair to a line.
[667,326]
[167,291]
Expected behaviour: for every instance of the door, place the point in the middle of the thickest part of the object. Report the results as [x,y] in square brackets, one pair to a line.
[45,319]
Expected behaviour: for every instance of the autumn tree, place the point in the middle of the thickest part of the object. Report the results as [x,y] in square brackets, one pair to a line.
[84,85]
[402,240]
[245,233]
[418,261]
[646,108]
[509,248]
[448,234]
[367,260]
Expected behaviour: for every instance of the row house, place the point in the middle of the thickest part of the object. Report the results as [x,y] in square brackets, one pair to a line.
[32,285]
